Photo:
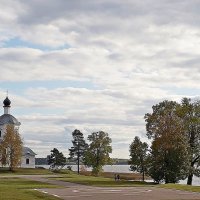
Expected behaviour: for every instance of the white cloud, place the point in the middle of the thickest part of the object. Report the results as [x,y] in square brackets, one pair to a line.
[133,55]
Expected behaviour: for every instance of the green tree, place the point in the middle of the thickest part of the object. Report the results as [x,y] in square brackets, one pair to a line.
[11,148]
[169,150]
[190,113]
[97,154]
[138,153]
[168,158]
[56,160]
[79,147]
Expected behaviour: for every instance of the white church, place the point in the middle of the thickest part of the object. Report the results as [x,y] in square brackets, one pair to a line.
[28,156]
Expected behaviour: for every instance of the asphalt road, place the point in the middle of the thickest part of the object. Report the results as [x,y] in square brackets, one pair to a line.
[82,192]
[122,193]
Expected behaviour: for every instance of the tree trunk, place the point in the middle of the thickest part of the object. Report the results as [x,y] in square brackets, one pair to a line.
[189,180]
[143,175]
[78,166]
[142,172]
[78,160]
[190,176]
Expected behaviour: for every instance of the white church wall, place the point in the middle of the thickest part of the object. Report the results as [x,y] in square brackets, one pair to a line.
[28,161]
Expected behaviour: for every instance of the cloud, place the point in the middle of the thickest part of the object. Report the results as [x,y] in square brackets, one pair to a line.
[132,55]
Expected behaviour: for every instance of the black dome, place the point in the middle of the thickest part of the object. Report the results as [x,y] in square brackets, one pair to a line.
[7,102]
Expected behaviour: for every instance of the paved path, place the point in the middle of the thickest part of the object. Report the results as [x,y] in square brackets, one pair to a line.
[82,192]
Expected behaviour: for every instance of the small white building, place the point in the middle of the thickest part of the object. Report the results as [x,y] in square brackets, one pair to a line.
[28,156]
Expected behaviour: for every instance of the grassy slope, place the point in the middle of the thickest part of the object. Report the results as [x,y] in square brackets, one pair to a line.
[21,189]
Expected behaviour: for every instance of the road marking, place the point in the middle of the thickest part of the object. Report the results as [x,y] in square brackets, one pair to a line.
[115,190]
[75,190]
[55,195]
[44,192]
[136,192]
[77,196]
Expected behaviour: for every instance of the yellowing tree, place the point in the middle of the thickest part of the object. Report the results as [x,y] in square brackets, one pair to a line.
[11,148]
[169,159]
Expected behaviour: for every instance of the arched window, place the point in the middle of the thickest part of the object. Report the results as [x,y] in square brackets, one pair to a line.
[27,161]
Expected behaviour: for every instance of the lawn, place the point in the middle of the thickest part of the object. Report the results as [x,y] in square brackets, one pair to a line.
[99,181]
[22,189]
[24,171]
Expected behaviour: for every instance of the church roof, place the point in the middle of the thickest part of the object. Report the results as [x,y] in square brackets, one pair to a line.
[9,119]
[28,151]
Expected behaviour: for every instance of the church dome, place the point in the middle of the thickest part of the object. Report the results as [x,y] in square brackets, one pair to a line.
[7,102]
[9,119]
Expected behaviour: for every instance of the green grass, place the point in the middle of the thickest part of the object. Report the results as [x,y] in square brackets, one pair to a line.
[24,171]
[99,181]
[181,187]
[22,189]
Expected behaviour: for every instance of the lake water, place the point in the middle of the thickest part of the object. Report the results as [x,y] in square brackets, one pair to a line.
[121,169]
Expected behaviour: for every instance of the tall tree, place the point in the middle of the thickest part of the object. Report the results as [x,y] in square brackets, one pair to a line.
[56,160]
[169,150]
[190,113]
[138,153]
[98,151]
[79,147]
[11,148]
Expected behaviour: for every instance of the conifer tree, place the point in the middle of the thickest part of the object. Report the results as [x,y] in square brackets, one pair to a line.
[56,160]
[78,149]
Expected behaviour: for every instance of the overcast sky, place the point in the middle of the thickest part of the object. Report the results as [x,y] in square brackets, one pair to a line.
[95,65]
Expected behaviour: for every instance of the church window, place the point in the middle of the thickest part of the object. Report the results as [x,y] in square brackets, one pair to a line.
[27,161]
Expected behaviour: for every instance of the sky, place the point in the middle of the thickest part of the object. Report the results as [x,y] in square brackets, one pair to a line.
[95,66]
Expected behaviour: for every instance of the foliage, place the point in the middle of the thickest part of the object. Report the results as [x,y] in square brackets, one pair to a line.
[156,121]
[56,160]
[97,154]
[11,148]
[190,113]
[79,147]
[138,153]
[169,151]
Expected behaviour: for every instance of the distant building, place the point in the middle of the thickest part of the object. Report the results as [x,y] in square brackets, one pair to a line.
[28,156]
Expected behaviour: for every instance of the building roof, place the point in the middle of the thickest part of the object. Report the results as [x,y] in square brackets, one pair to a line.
[9,119]
[27,151]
